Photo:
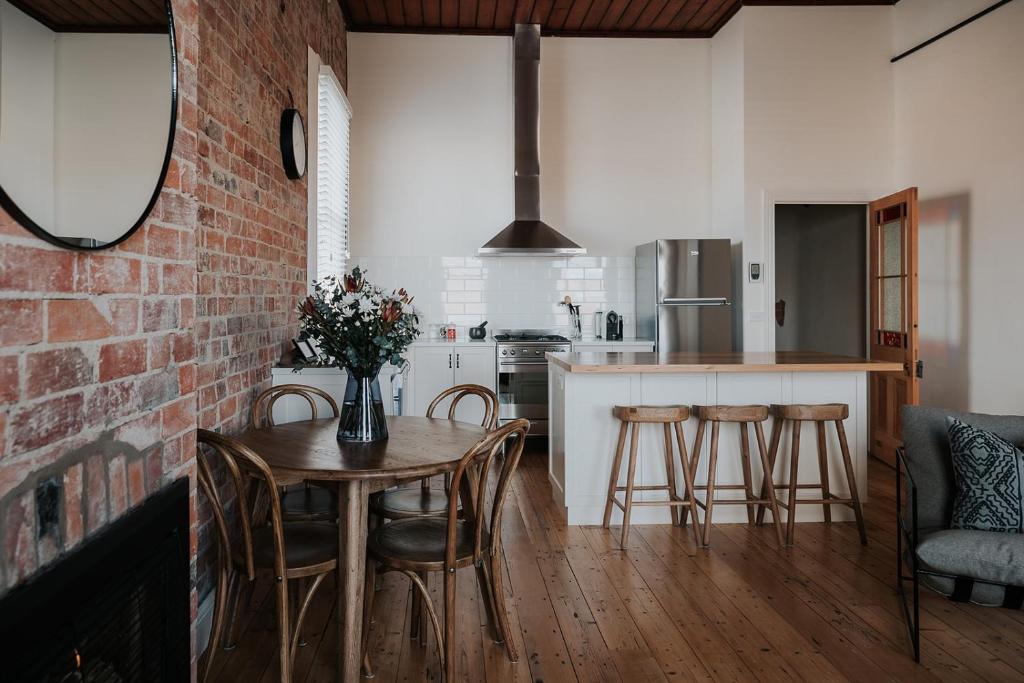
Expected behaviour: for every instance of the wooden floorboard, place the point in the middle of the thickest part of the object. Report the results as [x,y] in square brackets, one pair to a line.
[664,610]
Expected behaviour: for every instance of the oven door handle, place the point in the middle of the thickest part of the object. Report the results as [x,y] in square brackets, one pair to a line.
[512,368]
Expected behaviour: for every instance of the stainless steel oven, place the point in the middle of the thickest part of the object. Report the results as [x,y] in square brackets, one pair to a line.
[522,376]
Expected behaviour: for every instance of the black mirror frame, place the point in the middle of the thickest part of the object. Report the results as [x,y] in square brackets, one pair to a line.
[11,207]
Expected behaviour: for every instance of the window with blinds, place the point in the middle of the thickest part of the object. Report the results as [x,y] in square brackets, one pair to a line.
[332,168]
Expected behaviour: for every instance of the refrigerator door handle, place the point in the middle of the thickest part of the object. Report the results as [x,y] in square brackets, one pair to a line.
[715,301]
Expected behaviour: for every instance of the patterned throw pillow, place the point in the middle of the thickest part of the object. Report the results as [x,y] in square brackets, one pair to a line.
[989,474]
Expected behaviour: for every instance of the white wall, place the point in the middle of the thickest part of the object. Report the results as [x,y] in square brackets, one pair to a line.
[27,58]
[431,142]
[959,138]
[111,126]
[818,120]
[623,159]
[625,140]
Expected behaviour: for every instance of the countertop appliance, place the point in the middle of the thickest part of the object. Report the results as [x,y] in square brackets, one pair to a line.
[522,375]
[684,297]
[613,327]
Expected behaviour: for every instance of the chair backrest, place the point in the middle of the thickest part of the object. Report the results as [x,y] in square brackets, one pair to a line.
[461,391]
[507,440]
[263,406]
[926,441]
[255,506]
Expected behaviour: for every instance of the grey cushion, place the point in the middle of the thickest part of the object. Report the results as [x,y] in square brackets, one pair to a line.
[988,471]
[987,555]
[928,457]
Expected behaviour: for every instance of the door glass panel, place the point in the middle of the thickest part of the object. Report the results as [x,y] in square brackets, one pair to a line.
[892,248]
[892,304]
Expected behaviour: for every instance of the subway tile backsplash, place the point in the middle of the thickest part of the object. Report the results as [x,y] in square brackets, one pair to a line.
[508,292]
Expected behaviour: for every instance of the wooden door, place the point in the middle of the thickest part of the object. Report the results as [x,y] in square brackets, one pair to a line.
[893,323]
[433,370]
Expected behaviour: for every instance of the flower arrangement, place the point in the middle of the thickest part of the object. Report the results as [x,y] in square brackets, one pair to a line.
[359,326]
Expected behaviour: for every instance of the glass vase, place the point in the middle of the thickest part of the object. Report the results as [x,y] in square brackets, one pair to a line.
[362,412]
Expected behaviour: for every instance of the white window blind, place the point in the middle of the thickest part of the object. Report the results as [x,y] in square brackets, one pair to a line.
[332,168]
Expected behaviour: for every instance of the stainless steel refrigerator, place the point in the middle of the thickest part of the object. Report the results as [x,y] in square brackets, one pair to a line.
[684,298]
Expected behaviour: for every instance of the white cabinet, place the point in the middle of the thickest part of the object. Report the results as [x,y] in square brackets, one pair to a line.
[439,367]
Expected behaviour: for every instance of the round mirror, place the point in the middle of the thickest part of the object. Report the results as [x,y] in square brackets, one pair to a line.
[88,102]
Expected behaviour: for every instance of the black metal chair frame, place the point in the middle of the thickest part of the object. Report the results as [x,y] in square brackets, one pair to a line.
[963,586]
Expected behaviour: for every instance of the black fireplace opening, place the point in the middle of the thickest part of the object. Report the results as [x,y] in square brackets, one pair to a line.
[115,610]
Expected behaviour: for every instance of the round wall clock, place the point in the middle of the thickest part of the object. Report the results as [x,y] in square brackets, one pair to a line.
[293,144]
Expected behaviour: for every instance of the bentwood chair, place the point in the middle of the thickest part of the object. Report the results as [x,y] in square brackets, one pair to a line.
[403,503]
[303,503]
[291,552]
[446,544]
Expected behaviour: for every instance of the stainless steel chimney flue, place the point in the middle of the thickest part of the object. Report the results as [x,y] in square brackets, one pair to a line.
[528,235]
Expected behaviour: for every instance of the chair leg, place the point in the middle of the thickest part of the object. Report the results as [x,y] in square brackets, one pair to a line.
[307,600]
[691,496]
[698,442]
[748,486]
[415,608]
[670,474]
[450,615]
[851,481]
[769,483]
[483,583]
[500,608]
[712,468]
[221,598]
[613,478]
[634,438]
[769,468]
[421,588]
[370,579]
[823,470]
[242,584]
[283,631]
[794,468]
[421,614]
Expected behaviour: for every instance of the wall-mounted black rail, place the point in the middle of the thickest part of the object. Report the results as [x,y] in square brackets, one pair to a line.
[945,33]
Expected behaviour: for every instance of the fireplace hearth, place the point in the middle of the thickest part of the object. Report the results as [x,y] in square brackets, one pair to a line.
[116,610]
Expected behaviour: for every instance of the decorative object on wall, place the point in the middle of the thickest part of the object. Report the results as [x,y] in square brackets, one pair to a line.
[293,144]
[85,143]
[362,328]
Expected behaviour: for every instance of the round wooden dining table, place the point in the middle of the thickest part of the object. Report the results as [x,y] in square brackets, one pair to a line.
[417,447]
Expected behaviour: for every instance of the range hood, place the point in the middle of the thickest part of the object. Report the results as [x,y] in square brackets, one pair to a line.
[528,235]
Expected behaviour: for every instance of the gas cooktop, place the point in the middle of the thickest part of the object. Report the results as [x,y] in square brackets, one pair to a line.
[523,337]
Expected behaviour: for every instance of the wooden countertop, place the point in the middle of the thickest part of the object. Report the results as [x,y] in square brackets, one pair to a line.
[778,361]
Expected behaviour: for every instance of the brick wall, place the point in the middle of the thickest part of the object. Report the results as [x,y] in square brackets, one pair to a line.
[107,358]
[252,219]
[97,362]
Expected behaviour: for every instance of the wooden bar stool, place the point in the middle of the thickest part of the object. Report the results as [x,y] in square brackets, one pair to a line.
[819,415]
[671,418]
[743,415]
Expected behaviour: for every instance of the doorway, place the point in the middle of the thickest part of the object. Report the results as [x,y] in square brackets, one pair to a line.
[821,278]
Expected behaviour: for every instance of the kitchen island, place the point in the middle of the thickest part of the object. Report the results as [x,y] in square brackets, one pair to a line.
[584,386]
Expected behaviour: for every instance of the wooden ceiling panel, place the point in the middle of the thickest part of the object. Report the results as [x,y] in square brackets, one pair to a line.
[121,16]
[616,18]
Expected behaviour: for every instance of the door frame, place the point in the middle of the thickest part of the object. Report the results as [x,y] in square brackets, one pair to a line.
[771,199]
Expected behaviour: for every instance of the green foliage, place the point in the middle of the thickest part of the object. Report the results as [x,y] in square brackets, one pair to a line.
[359,326]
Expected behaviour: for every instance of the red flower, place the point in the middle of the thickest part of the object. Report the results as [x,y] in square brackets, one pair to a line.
[390,312]
[307,307]
[352,284]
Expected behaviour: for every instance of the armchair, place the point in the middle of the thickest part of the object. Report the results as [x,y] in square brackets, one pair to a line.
[983,567]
